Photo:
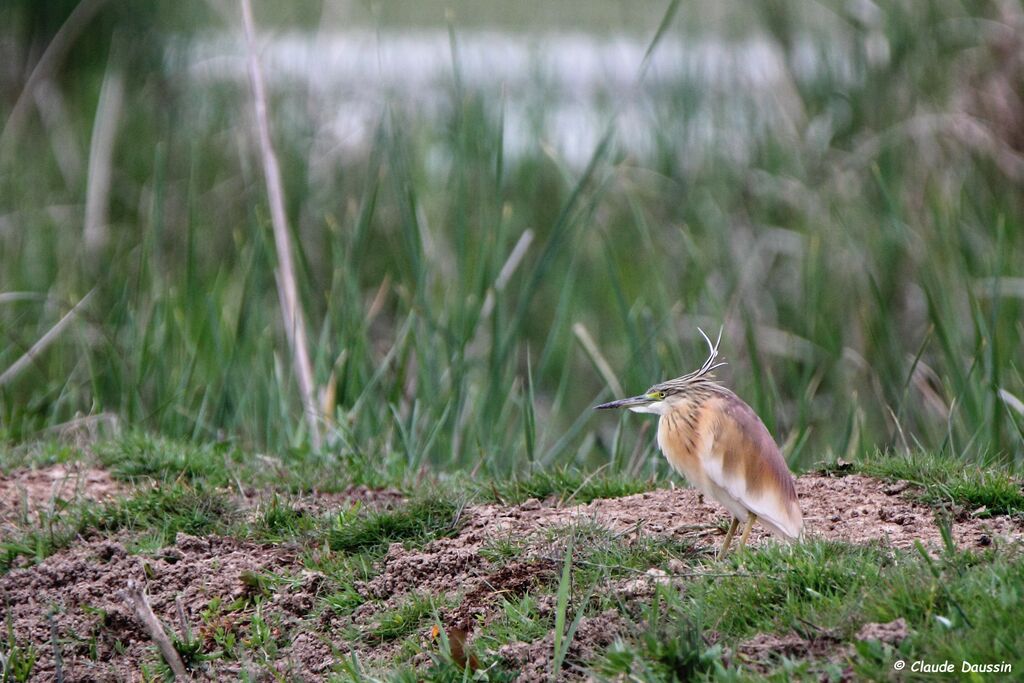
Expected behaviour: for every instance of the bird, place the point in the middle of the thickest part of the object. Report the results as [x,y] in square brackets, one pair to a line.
[720,445]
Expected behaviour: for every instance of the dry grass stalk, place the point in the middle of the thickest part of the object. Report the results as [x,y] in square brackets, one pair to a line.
[288,293]
[600,362]
[101,161]
[137,600]
[51,335]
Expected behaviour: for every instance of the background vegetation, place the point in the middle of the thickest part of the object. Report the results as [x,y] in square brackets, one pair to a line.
[862,249]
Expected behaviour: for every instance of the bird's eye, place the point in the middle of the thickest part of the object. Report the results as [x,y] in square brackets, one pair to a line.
[656,395]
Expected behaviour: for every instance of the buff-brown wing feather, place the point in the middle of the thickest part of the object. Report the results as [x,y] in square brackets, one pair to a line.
[745,461]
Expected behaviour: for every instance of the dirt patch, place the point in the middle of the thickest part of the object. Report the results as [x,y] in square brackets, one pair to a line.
[766,646]
[507,583]
[853,509]
[444,566]
[858,509]
[763,652]
[27,492]
[98,637]
[892,633]
[534,661]
[375,499]
[642,588]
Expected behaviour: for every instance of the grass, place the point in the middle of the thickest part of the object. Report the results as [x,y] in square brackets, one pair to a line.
[855,227]
[956,608]
[568,486]
[417,522]
[985,490]
[819,578]
[404,619]
[957,604]
[434,348]
[17,659]
[669,647]
[159,513]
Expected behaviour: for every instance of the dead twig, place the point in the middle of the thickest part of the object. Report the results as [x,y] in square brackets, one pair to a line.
[139,603]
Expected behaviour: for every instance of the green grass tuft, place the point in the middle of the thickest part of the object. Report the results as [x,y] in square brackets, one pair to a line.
[139,456]
[568,485]
[776,586]
[16,659]
[416,522]
[946,480]
[404,619]
[670,646]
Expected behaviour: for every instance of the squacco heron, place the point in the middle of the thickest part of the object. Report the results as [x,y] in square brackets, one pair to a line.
[715,440]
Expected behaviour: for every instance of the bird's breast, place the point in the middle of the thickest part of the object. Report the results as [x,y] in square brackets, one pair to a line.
[685,439]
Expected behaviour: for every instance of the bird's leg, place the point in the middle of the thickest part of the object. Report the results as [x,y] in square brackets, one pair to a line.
[746,530]
[728,538]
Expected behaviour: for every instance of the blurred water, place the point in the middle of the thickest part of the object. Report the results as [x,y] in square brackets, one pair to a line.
[557,89]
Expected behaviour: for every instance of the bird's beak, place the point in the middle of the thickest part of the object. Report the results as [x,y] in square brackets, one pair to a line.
[625,403]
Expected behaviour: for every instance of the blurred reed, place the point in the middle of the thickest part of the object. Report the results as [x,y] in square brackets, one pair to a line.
[861,247]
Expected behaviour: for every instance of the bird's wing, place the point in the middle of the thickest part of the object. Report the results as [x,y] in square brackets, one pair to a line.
[745,461]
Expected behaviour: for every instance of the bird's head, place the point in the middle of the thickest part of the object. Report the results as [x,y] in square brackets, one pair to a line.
[661,397]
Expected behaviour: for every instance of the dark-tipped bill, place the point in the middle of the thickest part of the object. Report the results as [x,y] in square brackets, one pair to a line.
[624,403]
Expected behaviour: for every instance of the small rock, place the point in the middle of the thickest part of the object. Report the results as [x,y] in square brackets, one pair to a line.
[898,487]
[677,566]
[657,575]
[530,504]
[984,540]
[893,517]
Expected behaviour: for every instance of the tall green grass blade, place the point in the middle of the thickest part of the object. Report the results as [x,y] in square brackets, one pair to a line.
[563,638]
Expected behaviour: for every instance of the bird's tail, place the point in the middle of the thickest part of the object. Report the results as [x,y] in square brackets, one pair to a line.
[792,531]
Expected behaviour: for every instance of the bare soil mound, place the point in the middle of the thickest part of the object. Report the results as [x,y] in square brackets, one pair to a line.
[98,638]
[854,509]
